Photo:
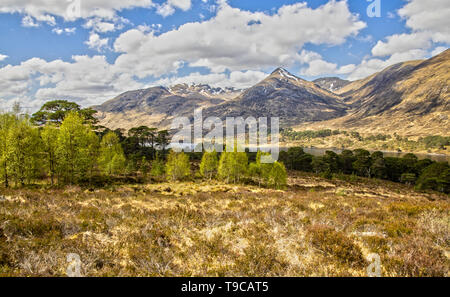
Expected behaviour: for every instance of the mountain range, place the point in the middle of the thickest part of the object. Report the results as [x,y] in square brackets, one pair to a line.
[410,98]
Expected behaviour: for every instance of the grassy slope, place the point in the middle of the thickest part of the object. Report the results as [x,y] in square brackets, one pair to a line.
[314,228]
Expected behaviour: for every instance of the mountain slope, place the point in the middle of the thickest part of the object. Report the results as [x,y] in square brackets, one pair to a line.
[332,84]
[157,106]
[411,98]
[283,95]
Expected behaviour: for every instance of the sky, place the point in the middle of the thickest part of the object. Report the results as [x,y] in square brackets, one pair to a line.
[90,51]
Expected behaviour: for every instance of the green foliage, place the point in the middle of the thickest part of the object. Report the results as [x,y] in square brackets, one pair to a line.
[112,159]
[296,159]
[233,166]
[75,151]
[209,164]
[49,136]
[158,168]
[278,176]
[178,166]
[297,135]
[435,177]
[6,122]
[362,162]
[260,171]
[23,151]
[56,111]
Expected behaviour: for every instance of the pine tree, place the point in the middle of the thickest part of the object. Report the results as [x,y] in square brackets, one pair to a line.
[209,165]
[178,166]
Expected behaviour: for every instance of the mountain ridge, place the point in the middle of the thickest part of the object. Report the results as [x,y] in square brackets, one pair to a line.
[408,93]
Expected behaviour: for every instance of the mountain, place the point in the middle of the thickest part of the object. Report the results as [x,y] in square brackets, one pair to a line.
[157,106]
[332,84]
[283,95]
[411,98]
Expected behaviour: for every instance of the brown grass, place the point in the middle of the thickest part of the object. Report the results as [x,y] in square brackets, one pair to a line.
[315,228]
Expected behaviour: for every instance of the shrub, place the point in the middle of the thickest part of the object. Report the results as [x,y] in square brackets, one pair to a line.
[336,244]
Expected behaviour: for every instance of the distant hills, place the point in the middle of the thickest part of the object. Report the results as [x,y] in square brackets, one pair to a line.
[410,98]
[331,84]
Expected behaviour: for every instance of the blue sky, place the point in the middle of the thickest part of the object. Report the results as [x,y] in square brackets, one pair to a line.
[95,51]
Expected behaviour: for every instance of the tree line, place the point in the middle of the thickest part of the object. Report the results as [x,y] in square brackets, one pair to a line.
[424,174]
[63,144]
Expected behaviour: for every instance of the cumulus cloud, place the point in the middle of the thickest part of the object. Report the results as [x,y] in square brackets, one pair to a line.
[373,65]
[320,67]
[86,80]
[432,16]
[234,45]
[401,43]
[254,40]
[237,79]
[3,57]
[96,42]
[72,9]
[67,31]
[168,8]
[435,52]
[429,22]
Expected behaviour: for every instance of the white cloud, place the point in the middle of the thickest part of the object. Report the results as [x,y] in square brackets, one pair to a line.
[3,57]
[100,26]
[435,52]
[400,43]
[97,43]
[320,67]
[370,66]
[86,80]
[29,22]
[67,31]
[165,10]
[432,16]
[39,9]
[237,79]
[429,22]
[237,40]
[181,4]
[168,8]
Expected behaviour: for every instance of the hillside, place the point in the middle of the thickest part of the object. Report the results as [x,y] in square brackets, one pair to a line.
[332,84]
[410,98]
[157,106]
[283,95]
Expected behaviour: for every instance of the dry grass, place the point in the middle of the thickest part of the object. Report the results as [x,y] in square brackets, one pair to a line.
[315,228]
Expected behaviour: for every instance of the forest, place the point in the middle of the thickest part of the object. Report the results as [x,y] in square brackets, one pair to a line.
[61,144]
